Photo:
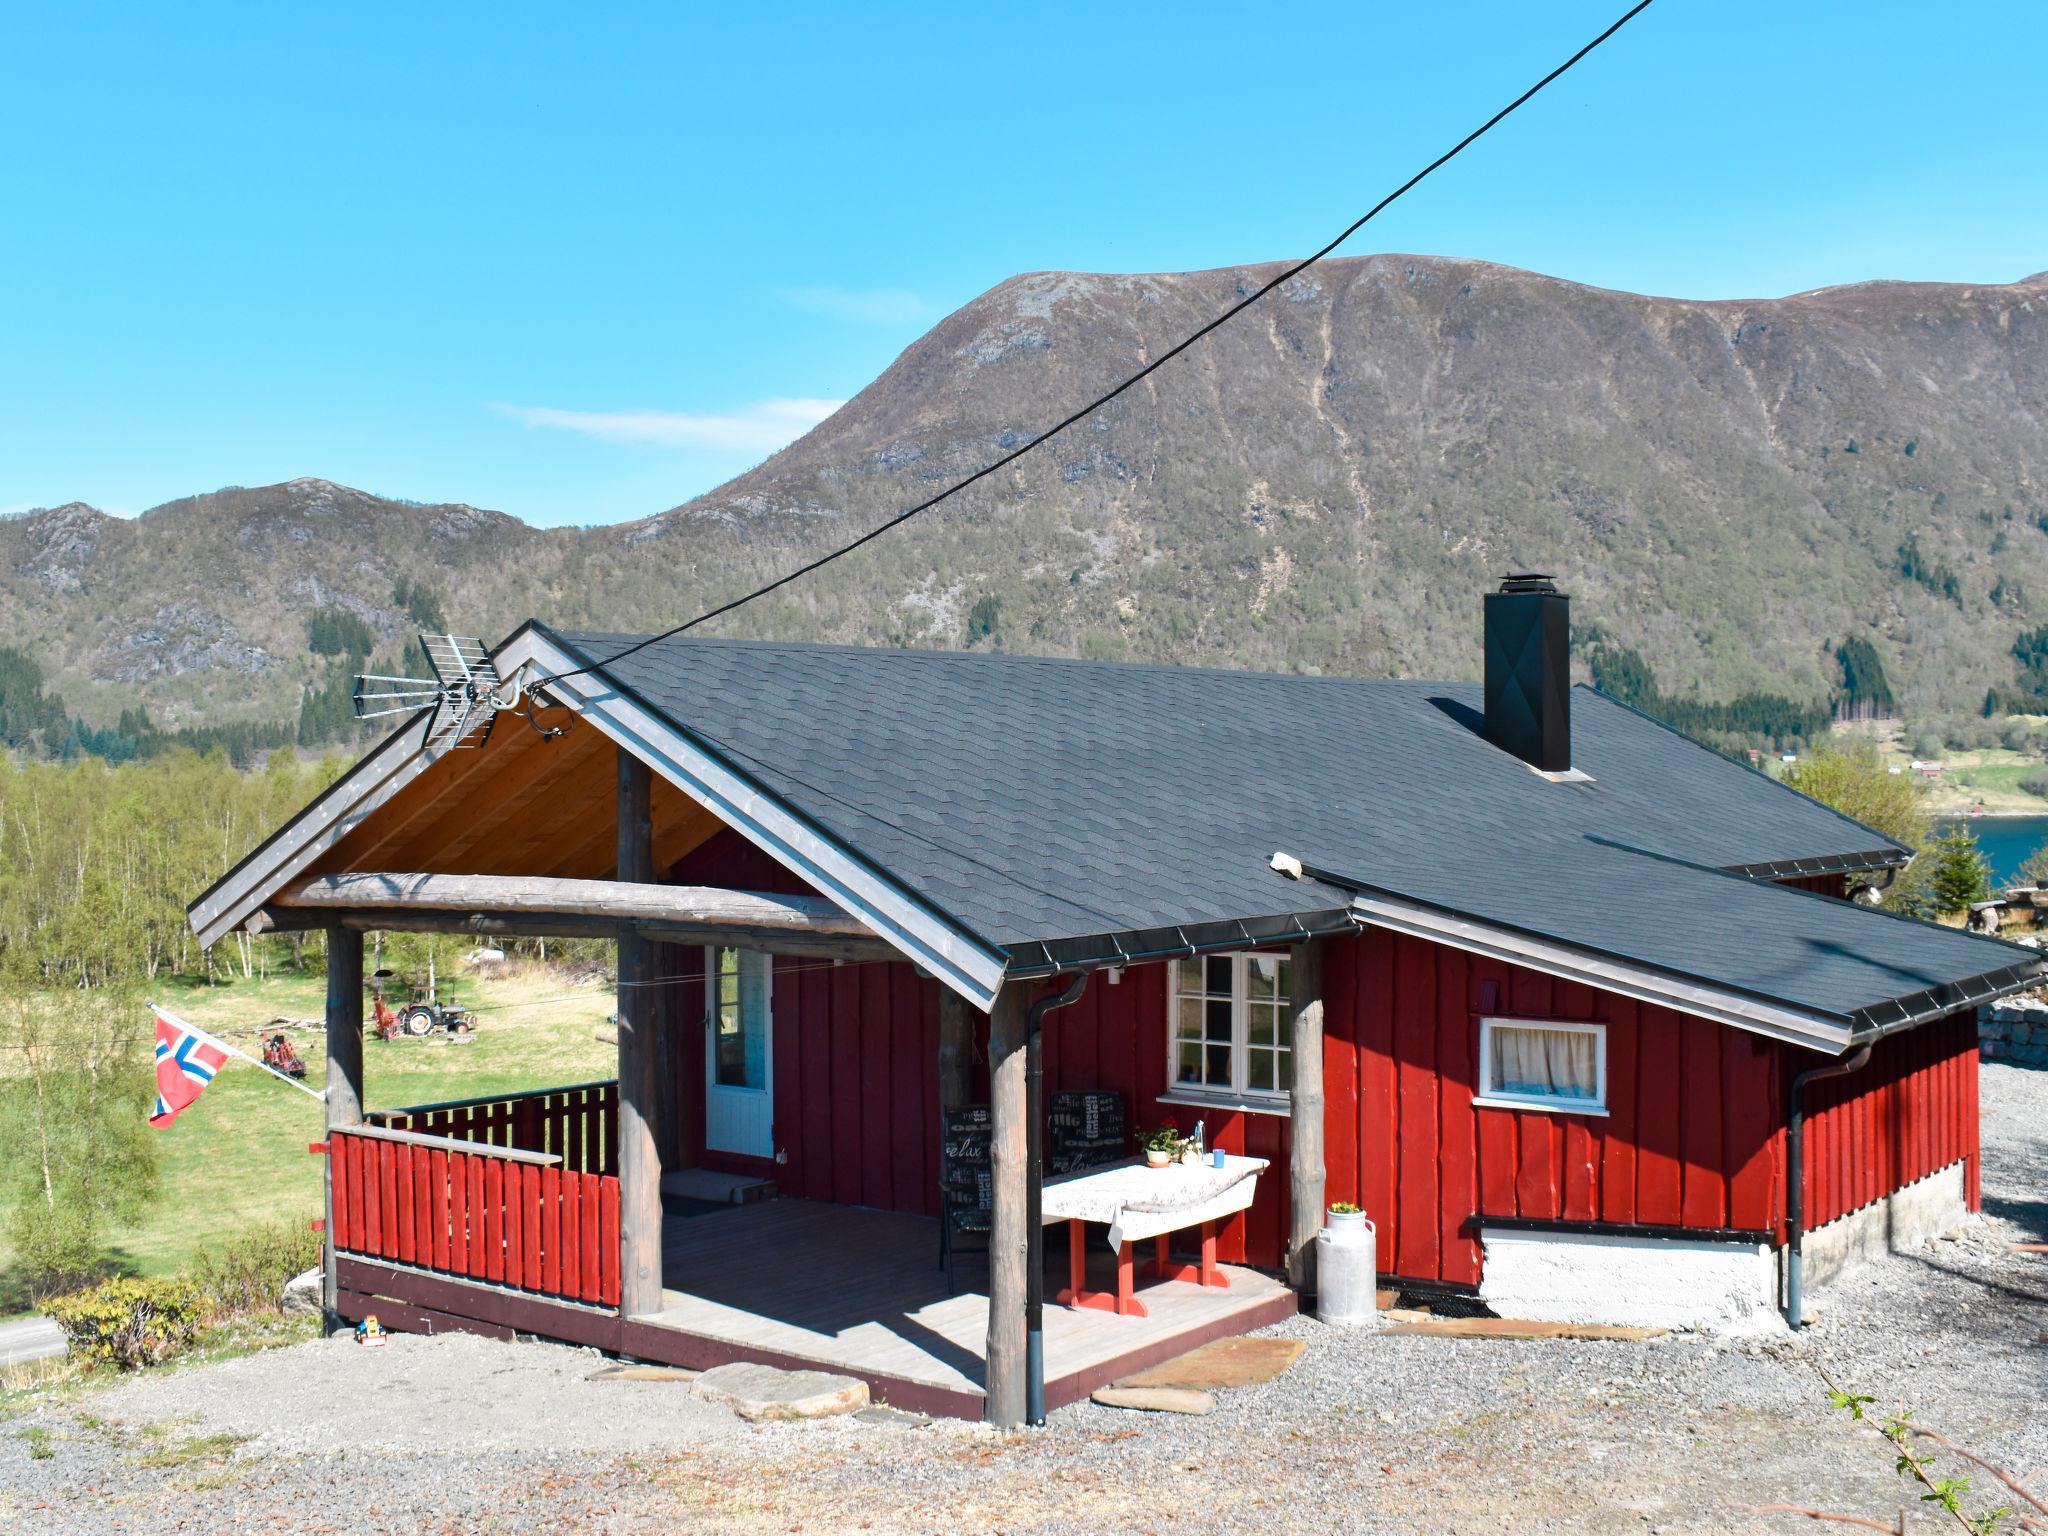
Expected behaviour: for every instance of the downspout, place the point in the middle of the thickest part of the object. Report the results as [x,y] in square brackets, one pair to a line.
[1034,1177]
[1795,1179]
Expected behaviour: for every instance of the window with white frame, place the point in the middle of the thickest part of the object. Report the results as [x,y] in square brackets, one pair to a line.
[1543,1064]
[1228,1038]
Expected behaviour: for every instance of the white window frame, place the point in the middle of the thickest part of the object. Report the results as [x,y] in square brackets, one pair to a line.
[1237,1096]
[1489,1096]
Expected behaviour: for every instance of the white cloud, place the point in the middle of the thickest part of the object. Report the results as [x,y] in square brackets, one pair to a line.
[863,306]
[759,428]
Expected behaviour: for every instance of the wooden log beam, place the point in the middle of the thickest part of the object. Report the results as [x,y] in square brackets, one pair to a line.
[344,1085]
[564,925]
[614,901]
[1305,1119]
[639,1056]
[1008,1239]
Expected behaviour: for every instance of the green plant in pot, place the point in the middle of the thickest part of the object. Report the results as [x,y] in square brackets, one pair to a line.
[1344,1216]
[1162,1146]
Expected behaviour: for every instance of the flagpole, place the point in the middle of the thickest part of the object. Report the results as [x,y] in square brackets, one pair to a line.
[222,1045]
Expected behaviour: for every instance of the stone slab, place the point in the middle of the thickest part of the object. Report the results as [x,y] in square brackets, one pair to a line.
[1156,1399]
[716,1188]
[761,1392]
[1238,1362]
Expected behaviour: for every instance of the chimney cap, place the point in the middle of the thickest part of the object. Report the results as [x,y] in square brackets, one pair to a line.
[1527,581]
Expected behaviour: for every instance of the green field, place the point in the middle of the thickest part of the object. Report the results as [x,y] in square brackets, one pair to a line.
[238,1156]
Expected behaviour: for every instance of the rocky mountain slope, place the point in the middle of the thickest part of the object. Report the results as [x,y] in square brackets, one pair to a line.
[1731,487]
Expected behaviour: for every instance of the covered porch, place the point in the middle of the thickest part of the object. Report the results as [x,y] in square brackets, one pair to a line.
[436,1233]
[542,1213]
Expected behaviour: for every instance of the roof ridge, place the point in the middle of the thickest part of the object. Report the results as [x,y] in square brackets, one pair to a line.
[580,638]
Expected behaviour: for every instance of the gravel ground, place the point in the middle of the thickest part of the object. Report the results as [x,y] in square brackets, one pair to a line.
[1367,1433]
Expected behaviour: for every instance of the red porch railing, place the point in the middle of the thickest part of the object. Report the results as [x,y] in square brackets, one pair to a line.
[579,1124]
[515,1189]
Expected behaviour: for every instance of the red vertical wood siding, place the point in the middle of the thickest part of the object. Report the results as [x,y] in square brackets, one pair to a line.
[1910,1112]
[1694,1134]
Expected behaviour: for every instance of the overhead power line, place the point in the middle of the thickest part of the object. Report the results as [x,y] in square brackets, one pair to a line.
[1143,373]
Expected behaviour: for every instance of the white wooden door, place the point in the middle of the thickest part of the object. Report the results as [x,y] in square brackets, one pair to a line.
[738,1055]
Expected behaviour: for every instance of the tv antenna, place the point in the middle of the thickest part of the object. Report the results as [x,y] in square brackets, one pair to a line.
[465,693]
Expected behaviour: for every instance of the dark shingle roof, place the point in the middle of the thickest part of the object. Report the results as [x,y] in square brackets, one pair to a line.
[1033,799]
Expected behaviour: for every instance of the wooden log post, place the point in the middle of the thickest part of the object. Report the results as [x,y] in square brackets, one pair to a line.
[668,962]
[344,1087]
[1004,1385]
[956,1050]
[639,1151]
[1305,1120]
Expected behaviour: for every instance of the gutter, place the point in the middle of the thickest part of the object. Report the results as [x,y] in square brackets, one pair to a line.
[1139,946]
[1795,1178]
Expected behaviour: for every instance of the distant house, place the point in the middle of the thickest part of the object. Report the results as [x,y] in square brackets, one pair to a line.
[1925,769]
[1564,1000]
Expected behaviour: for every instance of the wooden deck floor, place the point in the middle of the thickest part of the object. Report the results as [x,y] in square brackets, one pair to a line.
[860,1291]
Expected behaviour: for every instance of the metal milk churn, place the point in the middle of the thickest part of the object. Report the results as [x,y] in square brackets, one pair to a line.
[1347,1269]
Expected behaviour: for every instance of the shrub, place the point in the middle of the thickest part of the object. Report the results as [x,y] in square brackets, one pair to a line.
[247,1274]
[129,1323]
[2035,784]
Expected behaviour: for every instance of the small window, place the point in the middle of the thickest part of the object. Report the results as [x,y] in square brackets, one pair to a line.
[738,984]
[1530,1064]
[1229,1034]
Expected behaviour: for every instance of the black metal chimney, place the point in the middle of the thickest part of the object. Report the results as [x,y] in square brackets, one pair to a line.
[1528,671]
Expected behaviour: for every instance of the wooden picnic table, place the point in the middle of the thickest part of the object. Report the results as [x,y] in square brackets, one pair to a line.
[1136,1202]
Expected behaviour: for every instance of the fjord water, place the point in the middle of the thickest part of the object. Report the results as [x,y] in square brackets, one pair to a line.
[2006,840]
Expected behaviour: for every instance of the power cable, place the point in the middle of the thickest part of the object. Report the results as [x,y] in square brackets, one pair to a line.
[1143,373]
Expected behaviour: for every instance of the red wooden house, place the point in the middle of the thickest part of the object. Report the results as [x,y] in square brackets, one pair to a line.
[1569,1004]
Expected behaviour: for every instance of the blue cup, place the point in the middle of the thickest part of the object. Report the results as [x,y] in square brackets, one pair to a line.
[1216,1156]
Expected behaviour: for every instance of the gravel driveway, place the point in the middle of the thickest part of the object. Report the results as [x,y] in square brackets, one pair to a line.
[1367,1433]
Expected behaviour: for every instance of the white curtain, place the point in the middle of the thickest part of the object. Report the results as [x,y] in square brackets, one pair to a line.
[1560,1063]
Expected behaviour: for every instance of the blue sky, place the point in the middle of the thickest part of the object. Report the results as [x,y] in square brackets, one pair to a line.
[581,263]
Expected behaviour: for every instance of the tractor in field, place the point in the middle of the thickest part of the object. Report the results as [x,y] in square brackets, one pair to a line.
[421,1008]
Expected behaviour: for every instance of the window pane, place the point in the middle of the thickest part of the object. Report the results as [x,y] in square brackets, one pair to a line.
[1283,984]
[743,1028]
[1286,1059]
[1265,1025]
[1189,1067]
[1219,1018]
[1219,975]
[1188,1022]
[1260,974]
[1260,1065]
[1547,1063]
[1219,1066]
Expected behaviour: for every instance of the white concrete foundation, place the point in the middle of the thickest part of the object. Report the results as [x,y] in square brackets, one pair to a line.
[1922,1211]
[1645,1282]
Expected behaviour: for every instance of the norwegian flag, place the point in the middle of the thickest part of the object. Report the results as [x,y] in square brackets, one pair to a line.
[186,1061]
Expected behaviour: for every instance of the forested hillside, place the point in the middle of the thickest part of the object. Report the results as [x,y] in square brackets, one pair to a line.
[1734,492]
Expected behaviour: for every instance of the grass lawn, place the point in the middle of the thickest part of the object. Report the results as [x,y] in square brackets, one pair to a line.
[238,1156]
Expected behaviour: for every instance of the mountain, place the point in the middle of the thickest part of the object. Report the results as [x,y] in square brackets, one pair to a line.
[1730,488]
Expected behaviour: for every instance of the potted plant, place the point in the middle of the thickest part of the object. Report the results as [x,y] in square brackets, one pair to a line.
[1162,1146]
[1345,1217]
